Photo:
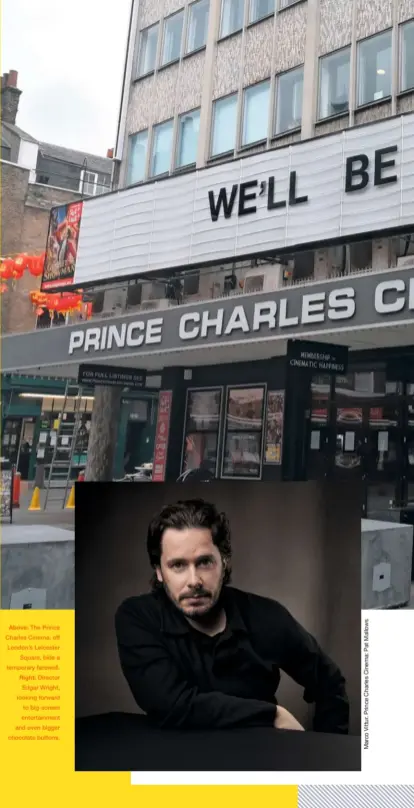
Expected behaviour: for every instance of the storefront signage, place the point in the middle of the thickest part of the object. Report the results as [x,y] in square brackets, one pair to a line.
[350,183]
[111,376]
[162,432]
[357,177]
[351,303]
[317,357]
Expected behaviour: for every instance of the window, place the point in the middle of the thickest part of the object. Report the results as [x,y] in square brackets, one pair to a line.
[137,155]
[255,113]
[148,50]
[334,83]
[286,3]
[197,25]
[232,13]
[407,56]
[260,9]
[89,182]
[171,46]
[104,184]
[374,68]
[289,100]
[189,125]
[161,148]
[224,125]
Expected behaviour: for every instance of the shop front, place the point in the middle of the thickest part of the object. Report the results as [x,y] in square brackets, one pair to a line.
[33,406]
[228,402]
[229,405]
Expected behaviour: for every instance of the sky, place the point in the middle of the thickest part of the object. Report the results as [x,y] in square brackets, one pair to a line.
[70,60]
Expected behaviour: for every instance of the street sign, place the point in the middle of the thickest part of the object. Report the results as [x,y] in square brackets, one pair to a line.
[111,376]
[317,357]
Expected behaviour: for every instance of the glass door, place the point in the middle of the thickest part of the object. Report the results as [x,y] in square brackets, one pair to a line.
[384,419]
[201,434]
[11,439]
[318,431]
[26,446]
[409,440]
[348,430]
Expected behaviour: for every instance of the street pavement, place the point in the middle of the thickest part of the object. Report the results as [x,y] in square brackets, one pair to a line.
[54,514]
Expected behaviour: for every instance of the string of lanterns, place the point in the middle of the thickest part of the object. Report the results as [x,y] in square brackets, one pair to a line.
[12,269]
[62,303]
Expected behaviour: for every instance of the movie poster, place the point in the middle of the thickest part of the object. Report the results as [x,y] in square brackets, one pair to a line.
[274,427]
[62,246]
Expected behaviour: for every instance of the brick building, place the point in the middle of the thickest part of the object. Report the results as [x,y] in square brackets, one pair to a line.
[35,177]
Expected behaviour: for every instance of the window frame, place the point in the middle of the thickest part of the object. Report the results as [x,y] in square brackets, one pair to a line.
[152,176]
[130,136]
[177,13]
[275,100]
[360,42]
[320,60]
[139,75]
[288,4]
[186,51]
[84,182]
[178,167]
[259,19]
[236,30]
[401,26]
[213,108]
[249,145]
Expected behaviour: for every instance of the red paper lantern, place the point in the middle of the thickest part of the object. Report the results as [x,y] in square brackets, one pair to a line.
[3,288]
[20,264]
[36,265]
[6,269]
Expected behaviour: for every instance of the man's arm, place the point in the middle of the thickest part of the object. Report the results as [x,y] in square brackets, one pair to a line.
[161,691]
[310,667]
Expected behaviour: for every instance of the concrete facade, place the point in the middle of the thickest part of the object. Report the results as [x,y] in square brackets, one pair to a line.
[295,35]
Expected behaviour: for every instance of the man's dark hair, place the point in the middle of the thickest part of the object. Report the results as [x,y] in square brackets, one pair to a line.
[184,514]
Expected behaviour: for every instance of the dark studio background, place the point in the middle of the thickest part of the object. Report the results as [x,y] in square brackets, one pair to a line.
[295,542]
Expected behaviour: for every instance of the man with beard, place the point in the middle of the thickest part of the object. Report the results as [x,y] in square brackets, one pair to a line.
[200,654]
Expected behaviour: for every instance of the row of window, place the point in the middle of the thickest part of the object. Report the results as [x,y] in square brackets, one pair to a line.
[255,115]
[374,72]
[162,147]
[191,28]
[195,26]
[232,13]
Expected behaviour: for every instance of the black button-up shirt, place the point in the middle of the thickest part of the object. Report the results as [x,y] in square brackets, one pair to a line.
[183,678]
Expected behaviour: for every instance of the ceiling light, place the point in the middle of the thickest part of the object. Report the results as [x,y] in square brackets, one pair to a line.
[381,71]
[51,395]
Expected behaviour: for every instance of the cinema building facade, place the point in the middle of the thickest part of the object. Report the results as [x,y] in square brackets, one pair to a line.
[224,241]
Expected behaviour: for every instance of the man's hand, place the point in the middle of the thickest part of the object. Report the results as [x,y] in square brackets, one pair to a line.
[285,720]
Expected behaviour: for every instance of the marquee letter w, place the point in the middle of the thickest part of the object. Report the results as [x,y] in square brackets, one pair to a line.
[228,204]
